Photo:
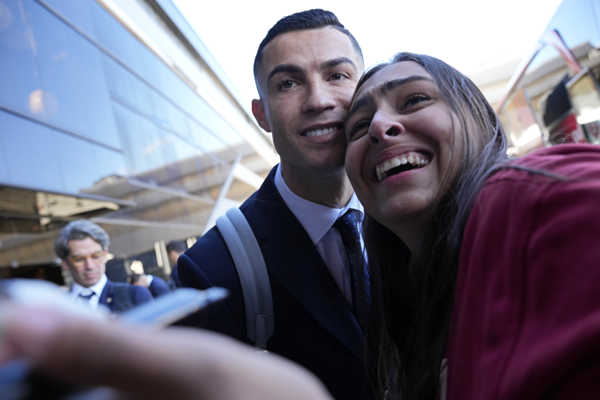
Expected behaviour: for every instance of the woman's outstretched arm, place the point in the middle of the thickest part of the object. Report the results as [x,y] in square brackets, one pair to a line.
[139,362]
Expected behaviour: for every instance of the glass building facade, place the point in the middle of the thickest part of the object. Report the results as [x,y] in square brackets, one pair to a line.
[115,111]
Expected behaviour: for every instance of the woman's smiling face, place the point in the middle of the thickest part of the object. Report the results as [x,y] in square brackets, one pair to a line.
[402,150]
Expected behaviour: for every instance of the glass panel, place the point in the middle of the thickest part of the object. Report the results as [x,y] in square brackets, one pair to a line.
[170,84]
[140,139]
[169,117]
[20,74]
[127,88]
[175,89]
[85,164]
[175,149]
[77,13]
[73,93]
[3,165]
[4,161]
[198,110]
[31,151]
[202,138]
[123,45]
[40,157]
[111,34]
[219,127]
[135,93]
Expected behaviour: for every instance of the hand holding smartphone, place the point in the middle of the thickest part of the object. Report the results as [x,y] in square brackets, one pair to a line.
[19,381]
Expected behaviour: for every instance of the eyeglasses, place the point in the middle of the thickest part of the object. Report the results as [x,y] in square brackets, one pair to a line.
[80,259]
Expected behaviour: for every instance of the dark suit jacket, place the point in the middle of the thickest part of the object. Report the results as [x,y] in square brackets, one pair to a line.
[137,295]
[158,287]
[174,277]
[314,324]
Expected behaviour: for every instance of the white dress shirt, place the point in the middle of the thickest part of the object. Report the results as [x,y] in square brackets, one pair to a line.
[76,289]
[318,221]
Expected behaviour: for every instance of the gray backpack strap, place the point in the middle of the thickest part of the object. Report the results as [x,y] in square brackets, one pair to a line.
[254,278]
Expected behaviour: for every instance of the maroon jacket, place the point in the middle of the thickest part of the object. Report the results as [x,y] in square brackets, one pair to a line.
[526,321]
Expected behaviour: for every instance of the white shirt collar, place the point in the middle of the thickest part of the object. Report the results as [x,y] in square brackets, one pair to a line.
[316,219]
[97,287]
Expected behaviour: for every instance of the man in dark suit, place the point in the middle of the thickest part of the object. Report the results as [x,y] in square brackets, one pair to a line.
[306,70]
[82,247]
[175,248]
[155,284]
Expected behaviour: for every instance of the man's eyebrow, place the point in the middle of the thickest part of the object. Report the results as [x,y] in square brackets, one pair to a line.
[386,87]
[289,68]
[294,69]
[337,61]
[86,253]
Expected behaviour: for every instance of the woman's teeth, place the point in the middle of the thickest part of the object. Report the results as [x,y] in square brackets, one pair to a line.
[400,163]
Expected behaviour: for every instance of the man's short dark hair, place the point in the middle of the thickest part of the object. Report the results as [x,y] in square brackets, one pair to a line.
[310,19]
[176,245]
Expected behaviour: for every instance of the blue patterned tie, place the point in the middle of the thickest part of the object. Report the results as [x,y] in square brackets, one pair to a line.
[348,225]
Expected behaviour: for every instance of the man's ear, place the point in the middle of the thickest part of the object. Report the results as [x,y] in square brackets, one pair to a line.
[258,109]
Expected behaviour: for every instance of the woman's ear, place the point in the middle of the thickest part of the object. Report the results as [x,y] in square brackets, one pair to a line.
[258,109]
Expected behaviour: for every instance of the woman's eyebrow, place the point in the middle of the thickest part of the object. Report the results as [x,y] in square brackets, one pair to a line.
[394,83]
[387,86]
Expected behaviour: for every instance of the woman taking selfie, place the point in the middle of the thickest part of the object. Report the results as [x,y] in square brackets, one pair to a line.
[484,265]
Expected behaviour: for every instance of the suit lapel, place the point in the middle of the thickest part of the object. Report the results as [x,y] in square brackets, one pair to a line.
[302,272]
[106,297]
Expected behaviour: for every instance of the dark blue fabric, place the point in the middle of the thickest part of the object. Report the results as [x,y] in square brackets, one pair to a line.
[175,276]
[137,295]
[314,324]
[348,226]
[158,287]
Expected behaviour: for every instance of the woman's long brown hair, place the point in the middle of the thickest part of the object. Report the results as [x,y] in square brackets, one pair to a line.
[413,296]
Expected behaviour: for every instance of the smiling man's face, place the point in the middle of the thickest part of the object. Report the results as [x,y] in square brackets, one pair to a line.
[307,78]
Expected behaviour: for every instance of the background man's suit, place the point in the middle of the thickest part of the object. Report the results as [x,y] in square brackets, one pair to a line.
[158,287]
[314,324]
[132,296]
